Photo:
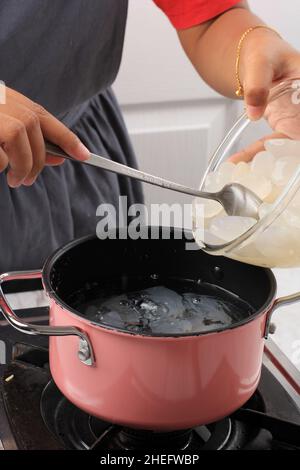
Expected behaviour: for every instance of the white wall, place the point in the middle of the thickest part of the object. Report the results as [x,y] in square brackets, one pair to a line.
[283,15]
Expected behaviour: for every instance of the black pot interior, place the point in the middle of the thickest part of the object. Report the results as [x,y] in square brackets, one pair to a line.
[84,264]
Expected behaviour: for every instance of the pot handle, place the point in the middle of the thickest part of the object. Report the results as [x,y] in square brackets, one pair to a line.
[280,302]
[85,350]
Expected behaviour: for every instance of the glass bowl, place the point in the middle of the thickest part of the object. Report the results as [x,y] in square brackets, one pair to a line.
[273,240]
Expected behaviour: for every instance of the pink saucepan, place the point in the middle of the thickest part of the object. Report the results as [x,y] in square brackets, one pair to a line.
[157,382]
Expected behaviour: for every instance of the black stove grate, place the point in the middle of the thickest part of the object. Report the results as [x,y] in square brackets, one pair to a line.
[77,430]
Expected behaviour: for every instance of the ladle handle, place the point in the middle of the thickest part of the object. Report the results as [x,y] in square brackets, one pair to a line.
[114,167]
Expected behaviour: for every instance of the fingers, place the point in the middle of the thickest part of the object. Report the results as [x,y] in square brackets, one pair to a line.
[257,83]
[37,145]
[23,127]
[16,120]
[248,153]
[3,160]
[59,134]
[51,160]
[53,130]
[17,148]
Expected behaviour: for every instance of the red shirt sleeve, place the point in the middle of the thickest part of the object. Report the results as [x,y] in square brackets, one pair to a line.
[187,13]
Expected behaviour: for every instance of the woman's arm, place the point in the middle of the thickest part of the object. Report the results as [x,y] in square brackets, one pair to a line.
[265,57]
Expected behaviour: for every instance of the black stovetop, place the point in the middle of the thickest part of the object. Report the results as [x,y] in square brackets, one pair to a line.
[35,415]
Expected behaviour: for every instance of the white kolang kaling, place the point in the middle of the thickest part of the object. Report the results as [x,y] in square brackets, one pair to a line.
[267,176]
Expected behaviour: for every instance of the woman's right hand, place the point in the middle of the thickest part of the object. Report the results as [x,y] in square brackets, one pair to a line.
[23,127]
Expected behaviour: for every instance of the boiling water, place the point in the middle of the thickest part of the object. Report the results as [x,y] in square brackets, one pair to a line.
[167,306]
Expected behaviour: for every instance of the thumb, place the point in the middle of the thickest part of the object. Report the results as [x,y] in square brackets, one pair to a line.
[257,83]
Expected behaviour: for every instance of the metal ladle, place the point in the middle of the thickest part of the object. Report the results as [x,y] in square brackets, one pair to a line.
[235,198]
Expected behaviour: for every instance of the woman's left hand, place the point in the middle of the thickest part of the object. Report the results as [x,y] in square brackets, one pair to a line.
[248,153]
[266,60]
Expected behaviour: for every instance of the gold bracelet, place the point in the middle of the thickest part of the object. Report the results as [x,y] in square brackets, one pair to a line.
[240,91]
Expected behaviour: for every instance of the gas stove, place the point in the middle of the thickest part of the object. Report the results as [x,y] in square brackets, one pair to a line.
[34,415]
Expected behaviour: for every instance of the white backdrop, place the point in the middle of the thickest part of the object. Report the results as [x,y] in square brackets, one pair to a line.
[175,120]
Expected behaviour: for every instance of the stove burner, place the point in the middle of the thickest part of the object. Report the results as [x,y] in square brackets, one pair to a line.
[77,430]
[269,421]
[214,436]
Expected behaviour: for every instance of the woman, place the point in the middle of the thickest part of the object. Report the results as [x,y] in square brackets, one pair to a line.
[58,60]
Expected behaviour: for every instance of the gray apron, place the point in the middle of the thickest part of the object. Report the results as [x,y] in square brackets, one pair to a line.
[64,54]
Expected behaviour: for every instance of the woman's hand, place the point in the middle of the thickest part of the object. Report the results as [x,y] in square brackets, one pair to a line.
[23,127]
[266,60]
[248,153]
